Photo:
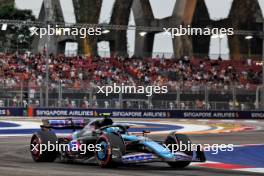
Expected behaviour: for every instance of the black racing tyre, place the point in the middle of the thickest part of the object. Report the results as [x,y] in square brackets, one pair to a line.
[177,139]
[111,145]
[40,138]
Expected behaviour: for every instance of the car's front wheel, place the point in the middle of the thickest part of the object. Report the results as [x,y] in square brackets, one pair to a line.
[179,139]
[111,150]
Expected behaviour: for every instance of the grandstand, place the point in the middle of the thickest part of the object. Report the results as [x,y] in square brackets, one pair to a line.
[83,74]
[201,72]
[186,71]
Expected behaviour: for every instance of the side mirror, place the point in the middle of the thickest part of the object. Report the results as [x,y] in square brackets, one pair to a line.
[145,132]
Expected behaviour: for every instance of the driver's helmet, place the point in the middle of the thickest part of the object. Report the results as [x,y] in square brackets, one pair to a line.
[106,122]
[103,122]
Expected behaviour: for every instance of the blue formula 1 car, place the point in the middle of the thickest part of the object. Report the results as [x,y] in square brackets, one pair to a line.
[111,144]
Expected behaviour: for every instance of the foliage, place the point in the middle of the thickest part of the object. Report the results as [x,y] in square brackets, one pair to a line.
[16,36]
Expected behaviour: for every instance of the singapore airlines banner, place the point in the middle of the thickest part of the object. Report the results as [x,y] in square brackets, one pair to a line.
[12,112]
[122,113]
[130,113]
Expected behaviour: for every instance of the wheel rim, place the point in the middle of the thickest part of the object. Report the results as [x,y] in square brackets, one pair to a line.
[35,151]
[102,154]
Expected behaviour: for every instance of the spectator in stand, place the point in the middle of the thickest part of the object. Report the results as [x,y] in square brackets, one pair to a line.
[199,104]
[85,103]
[66,102]
[15,102]
[2,103]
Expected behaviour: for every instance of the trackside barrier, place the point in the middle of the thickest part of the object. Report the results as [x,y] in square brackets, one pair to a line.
[129,113]
[30,111]
[12,111]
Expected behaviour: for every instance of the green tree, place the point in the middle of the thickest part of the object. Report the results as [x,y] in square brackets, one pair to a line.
[16,36]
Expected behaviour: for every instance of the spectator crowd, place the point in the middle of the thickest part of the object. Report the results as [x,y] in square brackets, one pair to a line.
[85,72]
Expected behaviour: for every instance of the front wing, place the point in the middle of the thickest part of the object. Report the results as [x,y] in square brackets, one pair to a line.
[150,157]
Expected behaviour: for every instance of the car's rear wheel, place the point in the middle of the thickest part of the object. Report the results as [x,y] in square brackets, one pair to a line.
[112,149]
[43,138]
[179,139]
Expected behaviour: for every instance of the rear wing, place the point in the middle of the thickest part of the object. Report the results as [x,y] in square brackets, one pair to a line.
[64,123]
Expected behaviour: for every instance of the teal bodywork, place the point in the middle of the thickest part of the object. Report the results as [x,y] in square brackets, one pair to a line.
[158,149]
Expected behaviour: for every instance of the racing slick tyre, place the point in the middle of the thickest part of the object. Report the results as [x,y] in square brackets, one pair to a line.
[179,139]
[111,152]
[43,138]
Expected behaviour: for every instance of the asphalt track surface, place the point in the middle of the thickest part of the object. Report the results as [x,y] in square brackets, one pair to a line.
[15,159]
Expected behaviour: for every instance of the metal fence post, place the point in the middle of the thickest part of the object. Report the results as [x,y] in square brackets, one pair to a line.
[47,71]
[261,90]
[120,99]
[262,86]
[257,97]
[234,96]
[150,105]
[178,99]
[206,96]
[91,97]
[21,93]
[41,96]
[28,94]
[47,78]
[60,94]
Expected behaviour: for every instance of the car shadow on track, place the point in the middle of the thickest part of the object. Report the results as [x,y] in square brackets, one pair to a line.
[163,167]
[134,167]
